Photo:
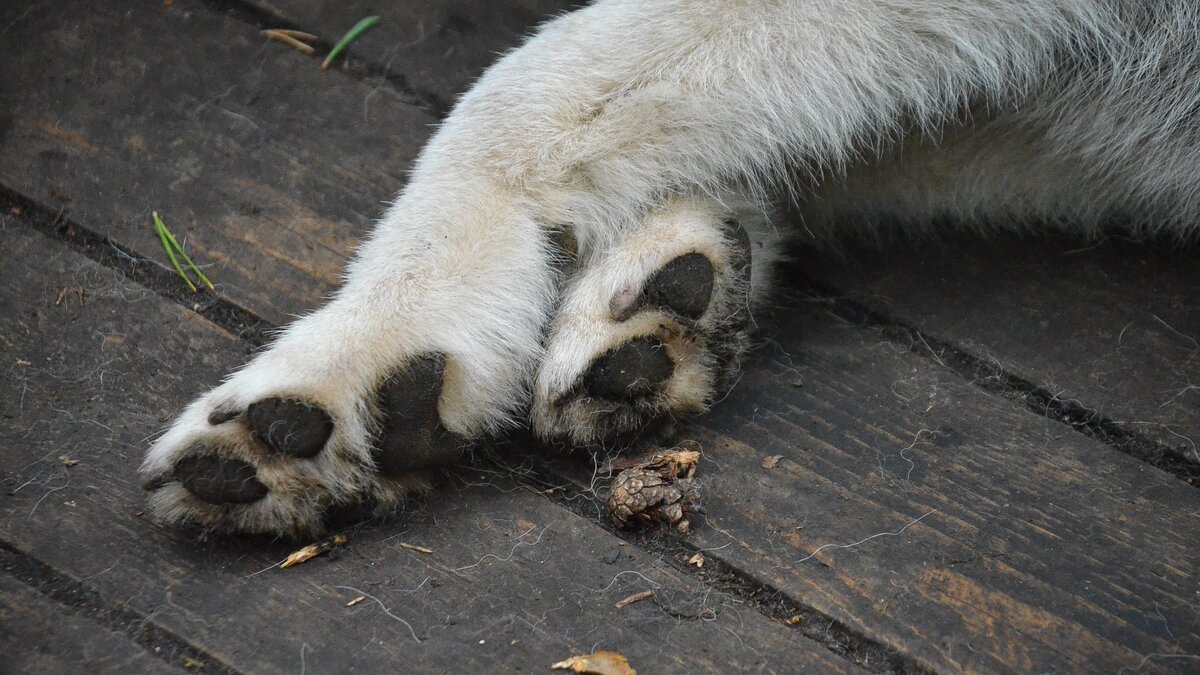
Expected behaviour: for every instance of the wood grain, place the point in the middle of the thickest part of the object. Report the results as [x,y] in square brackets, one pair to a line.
[959,528]
[265,167]
[40,636]
[435,49]
[1111,326]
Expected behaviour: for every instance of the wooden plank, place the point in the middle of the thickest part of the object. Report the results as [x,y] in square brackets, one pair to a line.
[514,581]
[111,111]
[1111,327]
[436,49]
[40,636]
[959,528]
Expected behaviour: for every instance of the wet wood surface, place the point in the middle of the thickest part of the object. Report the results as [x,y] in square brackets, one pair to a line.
[913,518]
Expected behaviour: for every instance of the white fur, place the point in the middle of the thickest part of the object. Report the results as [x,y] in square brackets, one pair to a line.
[1067,112]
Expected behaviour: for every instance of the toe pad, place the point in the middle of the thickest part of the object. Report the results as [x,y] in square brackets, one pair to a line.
[290,426]
[220,480]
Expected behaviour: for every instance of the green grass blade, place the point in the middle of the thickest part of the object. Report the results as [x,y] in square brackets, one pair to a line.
[180,251]
[163,235]
[350,36]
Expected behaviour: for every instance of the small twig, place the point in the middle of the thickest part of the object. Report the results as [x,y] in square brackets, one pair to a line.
[385,609]
[290,40]
[414,547]
[350,36]
[636,597]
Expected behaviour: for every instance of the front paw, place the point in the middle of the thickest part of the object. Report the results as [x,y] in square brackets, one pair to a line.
[265,454]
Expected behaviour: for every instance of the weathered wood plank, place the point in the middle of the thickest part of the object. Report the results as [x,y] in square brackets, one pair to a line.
[269,167]
[957,527]
[1112,327]
[39,636]
[436,48]
[514,581]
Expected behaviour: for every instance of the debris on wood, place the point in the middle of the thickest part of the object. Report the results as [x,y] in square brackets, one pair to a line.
[74,292]
[794,619]
[192,664]
[414,547]
[771,462]
[350,36]
[23,362]
[313,550]
[172,247]
[15,211]
[657,486]
[697,560]
[597,663]
[67,460]
[636,597]
[355,601]
[292,38]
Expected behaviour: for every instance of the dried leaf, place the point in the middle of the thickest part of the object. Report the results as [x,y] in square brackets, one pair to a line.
[313,550]
[794,619]
[356,601]
[697,560]
[771,462]
[597,663]
[636,597]
[67,461]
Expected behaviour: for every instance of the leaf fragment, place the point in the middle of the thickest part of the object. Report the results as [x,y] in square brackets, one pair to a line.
[771,462]
[597,663]
[313,550]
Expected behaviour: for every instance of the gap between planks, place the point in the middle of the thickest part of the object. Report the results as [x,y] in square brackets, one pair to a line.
[356,67]
[994,379]
[87,603]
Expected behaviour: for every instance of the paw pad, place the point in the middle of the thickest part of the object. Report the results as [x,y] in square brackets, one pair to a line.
[683,286]
[220,480]
[413,437]
[632,370]
[289,426]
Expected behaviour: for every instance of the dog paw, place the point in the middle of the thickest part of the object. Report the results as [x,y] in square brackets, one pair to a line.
[656,325]
[260,454]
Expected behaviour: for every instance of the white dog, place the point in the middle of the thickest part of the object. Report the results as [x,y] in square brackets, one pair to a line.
[581,241]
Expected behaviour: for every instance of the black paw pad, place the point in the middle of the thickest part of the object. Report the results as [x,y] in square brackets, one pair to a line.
[289,426]
[220,480]
[683,286]
[413,437]
[632,370]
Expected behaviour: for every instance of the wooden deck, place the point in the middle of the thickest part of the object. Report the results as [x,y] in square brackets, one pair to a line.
[987,449]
